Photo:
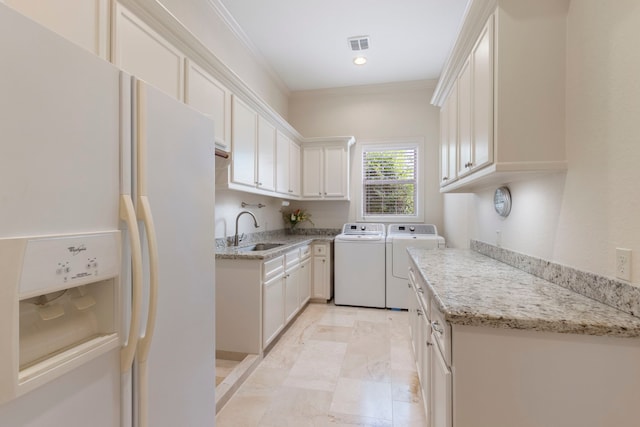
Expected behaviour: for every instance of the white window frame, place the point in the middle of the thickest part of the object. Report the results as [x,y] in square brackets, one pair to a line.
[400,143]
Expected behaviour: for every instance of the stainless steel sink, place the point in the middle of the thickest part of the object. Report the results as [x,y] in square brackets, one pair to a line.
[259,247]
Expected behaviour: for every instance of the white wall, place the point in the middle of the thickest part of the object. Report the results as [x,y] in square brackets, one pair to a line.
[371,113]
[580,217]
[200,17]
[229,205]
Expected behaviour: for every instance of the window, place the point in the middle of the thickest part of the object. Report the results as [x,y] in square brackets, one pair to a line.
[389,181]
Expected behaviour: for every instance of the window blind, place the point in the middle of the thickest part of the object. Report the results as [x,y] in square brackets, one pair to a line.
[389,180]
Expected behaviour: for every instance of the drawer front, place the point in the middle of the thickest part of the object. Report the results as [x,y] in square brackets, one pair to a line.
[305,252]
[272,268]
[291,258]
[320,250]
[441,333]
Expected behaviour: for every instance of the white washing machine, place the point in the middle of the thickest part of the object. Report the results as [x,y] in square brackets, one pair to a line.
[359,265]
[399,238]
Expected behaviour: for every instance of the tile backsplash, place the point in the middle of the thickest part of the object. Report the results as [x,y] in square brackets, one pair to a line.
[615,293]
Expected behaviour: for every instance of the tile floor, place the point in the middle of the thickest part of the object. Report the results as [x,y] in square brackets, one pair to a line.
[335,366]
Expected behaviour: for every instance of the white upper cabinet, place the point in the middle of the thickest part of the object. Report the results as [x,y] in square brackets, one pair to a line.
[266,155]
[210,97]
[287,166]
[312,172]
[325,169]
[294,169]
[141,51]
[449,138]
[244,135]
[85,23]
[506,73]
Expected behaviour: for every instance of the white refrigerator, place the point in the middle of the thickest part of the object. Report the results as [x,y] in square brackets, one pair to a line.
[107,289]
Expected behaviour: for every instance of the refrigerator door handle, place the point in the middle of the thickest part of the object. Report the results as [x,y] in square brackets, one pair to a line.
[128,215]
[145,342]
[145,215]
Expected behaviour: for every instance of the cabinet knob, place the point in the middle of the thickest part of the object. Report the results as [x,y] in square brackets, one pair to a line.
[290,191]
[420,290]
[319,193]
[435,325]
[419,312]
[445,178]
[429,344]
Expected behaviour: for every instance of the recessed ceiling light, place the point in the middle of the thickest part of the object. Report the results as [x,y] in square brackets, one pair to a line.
[359,60]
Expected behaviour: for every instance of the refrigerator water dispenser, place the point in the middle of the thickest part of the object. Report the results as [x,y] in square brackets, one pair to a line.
[58,306]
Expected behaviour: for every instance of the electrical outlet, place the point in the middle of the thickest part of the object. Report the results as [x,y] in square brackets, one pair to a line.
[623,264]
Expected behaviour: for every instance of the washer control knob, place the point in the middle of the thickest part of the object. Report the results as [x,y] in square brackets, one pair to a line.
[363,227]
[412,229]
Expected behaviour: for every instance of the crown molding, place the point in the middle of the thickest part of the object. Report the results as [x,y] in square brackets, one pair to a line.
[235,28]
[394,87]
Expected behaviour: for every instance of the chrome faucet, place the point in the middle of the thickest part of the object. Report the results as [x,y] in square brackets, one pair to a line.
[236,240]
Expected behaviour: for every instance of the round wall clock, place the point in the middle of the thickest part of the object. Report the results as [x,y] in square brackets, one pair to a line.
[502,201]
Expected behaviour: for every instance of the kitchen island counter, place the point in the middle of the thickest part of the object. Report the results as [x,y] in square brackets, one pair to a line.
[475,290]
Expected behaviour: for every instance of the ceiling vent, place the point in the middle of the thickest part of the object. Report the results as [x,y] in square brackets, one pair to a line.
[358,43]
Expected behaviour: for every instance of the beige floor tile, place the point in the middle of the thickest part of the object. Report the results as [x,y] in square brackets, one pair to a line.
[370,366]
[243,411]
[405,386]
[334,367]
[294,407]
[344,420]
[362,398]
[331,333]
[406,414]
[264,381]
[318,366]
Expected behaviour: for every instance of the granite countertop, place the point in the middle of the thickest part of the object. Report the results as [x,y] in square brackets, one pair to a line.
[472,289]
[289,242]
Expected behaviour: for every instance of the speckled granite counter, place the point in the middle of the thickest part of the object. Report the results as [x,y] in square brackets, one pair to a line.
[289,242]
[472,289]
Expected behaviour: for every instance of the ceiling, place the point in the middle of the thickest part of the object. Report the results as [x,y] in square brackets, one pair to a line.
[304,42]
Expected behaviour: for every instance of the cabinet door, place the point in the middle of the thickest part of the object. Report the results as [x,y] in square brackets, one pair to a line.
[464,120]
[140,51]
[452,133]
[304,284]
[482,97]
[312,185]
[334,170]
[441,411]
[266,155]
[425,365]
[444,143]
[282,163]
[85,23]
[294,169]
[244,126]
[210,97]
[291,300]
[272,309]
[320,277]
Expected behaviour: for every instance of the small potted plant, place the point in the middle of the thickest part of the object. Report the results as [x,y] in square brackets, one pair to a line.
[295,217]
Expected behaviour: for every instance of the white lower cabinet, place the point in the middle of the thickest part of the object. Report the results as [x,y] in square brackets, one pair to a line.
[501,377]
[440,391]
[272,309]
[321,274]
[304,283]
[291,292]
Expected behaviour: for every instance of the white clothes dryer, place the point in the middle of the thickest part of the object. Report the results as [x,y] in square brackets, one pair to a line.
[399,238]
[359,265]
